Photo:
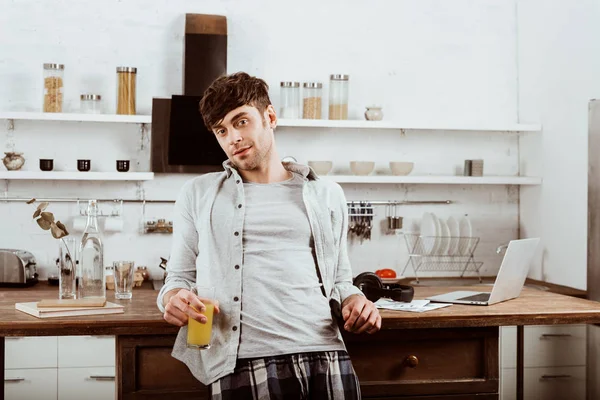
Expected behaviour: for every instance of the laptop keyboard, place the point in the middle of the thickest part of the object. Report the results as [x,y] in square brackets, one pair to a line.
[477,297]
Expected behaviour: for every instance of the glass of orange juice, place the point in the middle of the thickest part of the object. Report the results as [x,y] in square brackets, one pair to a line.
[198,336]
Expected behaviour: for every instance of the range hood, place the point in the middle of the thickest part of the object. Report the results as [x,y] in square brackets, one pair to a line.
[180,142]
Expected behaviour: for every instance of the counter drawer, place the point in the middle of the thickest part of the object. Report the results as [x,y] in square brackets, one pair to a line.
[30,352]
[27,384]
[86,383]
[424,362]
[86,351]
[557,383]
[555,346]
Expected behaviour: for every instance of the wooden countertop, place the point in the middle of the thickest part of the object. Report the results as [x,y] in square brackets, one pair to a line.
[533,307]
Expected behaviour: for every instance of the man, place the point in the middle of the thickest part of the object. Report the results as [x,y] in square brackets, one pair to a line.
[272,238]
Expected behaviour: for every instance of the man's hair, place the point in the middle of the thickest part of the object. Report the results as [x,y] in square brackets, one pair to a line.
[229,92]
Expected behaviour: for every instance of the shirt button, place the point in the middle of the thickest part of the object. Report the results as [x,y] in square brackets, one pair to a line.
[234,328]
[237,181]
[237,267]
[236,233]
[235,298]
[239,206]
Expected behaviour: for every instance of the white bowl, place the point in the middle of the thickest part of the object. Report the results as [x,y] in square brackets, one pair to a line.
[401,167]
[321,167]
[362,167]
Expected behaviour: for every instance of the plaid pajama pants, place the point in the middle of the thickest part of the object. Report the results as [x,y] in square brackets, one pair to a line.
[306,376]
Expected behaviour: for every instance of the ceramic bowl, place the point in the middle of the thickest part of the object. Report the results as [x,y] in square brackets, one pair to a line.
[321,167]
[362,167]
[401,167]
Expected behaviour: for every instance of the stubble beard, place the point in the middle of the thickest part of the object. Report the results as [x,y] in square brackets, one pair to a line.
[256,160]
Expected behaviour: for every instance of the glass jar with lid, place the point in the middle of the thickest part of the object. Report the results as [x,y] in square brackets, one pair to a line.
[53,87]
[126,90]
[91,104]
[312,100]
[338,96]
[290,100]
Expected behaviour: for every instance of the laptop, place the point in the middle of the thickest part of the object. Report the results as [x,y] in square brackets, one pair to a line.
[509,281]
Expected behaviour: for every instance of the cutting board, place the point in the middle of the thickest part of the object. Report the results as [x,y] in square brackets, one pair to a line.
[45,303]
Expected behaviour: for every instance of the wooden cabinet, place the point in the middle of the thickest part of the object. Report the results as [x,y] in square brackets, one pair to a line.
[459,363]
[426,362]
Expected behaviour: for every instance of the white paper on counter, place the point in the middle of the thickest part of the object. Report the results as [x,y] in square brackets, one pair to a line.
[413,306]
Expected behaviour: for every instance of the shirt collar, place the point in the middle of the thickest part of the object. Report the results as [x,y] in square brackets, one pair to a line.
[301,169]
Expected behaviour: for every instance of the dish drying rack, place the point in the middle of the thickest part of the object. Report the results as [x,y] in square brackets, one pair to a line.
[430,253]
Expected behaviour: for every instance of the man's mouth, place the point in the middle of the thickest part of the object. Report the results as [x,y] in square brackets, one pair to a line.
[242,151]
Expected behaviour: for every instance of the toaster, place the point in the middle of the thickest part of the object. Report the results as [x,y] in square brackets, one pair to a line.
[17,268]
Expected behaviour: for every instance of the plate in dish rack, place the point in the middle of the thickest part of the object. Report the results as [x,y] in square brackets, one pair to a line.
[454,236]
[466,232]
[428,233]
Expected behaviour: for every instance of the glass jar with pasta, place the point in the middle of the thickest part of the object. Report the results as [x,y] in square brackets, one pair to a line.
[126,90]
[53,87]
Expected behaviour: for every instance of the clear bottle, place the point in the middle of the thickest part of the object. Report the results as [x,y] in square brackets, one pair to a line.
[338,96]
[312,95]
[91,104]
[93,281]
[66,262]
[53,87]
[290,100]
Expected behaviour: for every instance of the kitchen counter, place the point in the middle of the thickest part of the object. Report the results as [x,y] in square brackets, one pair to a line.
[455,348]
[142,317]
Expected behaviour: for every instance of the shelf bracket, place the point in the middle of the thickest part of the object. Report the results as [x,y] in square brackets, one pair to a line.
[6,188]
[142,136]
[10,137]
[140,194]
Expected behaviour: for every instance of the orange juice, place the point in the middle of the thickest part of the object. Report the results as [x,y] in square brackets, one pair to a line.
[199,334]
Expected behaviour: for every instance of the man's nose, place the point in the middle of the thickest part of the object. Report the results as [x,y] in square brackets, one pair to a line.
[236,136]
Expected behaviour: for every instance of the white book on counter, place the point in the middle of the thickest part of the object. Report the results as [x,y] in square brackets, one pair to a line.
[413,306]
[31,308]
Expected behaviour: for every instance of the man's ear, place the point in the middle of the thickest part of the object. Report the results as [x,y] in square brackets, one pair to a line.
[271,116]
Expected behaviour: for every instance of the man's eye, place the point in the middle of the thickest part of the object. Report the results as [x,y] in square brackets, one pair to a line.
[220,132]
[243,122]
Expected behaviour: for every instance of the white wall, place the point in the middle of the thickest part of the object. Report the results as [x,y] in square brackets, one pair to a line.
[559,64]
[422,60]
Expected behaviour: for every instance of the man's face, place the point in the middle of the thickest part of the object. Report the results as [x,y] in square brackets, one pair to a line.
[246,136]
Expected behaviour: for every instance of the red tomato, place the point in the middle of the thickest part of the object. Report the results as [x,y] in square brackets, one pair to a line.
[386,273]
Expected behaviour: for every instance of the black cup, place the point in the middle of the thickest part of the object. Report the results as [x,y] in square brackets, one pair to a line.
[122,165]
[46,164]
[84,165]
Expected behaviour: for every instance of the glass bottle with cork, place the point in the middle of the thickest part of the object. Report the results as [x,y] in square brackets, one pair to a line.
[93,281]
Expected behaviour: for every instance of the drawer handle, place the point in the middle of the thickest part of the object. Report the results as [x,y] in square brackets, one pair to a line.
[554,377]
[102,377]
[14,379]
[555,336]
[411,361]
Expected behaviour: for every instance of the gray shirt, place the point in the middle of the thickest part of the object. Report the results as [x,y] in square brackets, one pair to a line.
[207,247]
[284,310]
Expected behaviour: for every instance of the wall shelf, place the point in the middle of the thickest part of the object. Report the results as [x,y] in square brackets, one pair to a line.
[40,116]
[439,180]
[360,124]
[77,176]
